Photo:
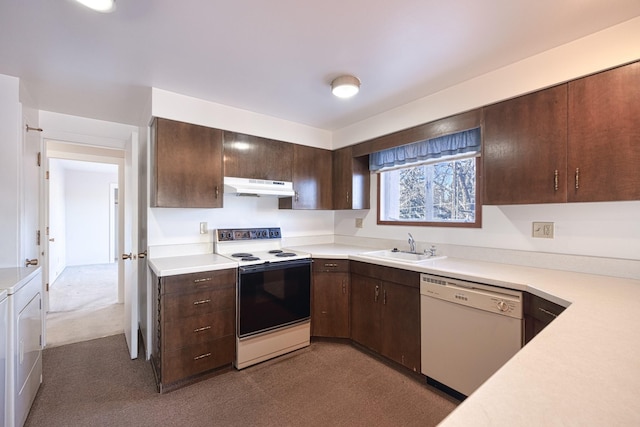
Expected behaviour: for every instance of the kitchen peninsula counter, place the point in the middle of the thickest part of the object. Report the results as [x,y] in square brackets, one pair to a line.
[583,369]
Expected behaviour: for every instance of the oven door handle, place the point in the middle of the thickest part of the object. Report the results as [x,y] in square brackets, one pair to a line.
[266,266]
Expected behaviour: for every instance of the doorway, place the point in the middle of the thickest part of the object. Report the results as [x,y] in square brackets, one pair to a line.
[84,298]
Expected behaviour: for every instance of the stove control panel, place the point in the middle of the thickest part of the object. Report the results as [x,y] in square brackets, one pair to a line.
[230,235]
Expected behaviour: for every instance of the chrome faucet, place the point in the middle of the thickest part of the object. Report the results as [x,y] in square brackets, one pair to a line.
[412,244]
[431,252]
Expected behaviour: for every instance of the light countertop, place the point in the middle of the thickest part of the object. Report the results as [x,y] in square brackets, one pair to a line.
[583,369]
[171,266]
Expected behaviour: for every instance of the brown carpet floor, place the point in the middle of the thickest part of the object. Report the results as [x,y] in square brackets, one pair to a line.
[94,383]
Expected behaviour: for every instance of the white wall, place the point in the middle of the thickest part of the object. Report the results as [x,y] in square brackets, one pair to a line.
[10,118]
[181,226]
[610,230]
[87,216]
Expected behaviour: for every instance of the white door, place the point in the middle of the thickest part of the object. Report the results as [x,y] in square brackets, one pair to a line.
[129,244]
[30,195]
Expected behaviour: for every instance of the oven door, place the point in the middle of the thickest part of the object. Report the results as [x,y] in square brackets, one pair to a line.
[273,295]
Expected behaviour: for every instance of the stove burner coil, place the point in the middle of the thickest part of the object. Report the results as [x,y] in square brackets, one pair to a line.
[285,254]
[275,251]
[250,258]
[241,255]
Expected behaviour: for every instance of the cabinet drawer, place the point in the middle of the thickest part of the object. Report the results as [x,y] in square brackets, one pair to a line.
[180,306]
[198,329]
[198,281]
[192,360]
[330,266]
[541,309]
[388,274]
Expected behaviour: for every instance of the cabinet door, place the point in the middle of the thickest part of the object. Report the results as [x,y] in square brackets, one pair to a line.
[365,311]
[401,324]
[525,143]
[311,179]
[350,180]
[604,136]
[330,309]
[187,165]
[247,156]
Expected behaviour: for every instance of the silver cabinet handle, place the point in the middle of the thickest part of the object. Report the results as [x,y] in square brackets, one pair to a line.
[330,265]
[384,297]
[217,192]
[344,287]
[376,294]
[204,328]
[204,301]
[547,312]
[202,356]
[208,279]
[577,178]
[555,180]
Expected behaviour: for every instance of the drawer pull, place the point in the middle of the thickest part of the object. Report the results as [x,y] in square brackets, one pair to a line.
[202,356]
[208,279]
[547,312]
[330,265]
[204,328]
[204,301]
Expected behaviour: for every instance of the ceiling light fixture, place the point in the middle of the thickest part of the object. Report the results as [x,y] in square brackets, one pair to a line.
[345,86]
[99,5]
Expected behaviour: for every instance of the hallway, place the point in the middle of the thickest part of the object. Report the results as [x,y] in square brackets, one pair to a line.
[83,305]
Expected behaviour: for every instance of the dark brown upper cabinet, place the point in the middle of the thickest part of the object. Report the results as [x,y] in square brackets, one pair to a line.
[311,179]
[525,149]
[186,163]
[576,142]
[247,156]
[604,136]
[351,180]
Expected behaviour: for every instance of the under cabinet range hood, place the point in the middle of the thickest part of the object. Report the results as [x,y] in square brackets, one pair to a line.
[257,187]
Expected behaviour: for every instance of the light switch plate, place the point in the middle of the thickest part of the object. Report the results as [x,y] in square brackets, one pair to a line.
[543,230]
[204,228]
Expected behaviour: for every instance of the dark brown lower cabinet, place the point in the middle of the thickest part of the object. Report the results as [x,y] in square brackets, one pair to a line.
[330,298]
[194,326]
[385,312]
[538,313]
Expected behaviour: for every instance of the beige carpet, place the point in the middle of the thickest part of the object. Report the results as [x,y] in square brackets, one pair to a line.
[94,383]
[83,305]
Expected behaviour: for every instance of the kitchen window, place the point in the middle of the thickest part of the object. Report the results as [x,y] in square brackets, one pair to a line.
[430,183]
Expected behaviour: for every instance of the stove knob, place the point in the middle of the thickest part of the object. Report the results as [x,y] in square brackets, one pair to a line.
[502,306]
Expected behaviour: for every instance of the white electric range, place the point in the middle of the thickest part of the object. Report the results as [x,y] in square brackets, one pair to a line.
[273,293]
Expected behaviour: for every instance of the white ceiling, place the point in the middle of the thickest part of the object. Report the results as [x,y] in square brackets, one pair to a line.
[277,57]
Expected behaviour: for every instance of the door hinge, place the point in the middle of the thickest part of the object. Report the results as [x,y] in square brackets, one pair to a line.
[47,175]
[46,287]
[39,158]
[38,238]
[40,339]
[47,230]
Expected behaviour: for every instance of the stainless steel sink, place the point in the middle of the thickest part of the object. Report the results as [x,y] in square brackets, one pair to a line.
[401,256]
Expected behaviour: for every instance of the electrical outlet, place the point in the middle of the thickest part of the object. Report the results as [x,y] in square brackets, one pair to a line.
[204,228]
[543,230]
[358,222]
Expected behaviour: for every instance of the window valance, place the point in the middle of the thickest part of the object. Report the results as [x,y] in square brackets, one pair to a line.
[466,142]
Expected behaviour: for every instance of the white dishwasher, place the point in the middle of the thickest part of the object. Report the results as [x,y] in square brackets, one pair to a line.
[468,330]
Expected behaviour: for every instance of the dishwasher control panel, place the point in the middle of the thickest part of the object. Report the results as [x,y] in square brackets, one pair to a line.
[507,302]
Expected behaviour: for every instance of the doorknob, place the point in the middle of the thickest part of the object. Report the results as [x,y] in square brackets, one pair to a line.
[142,254]
[31,262]
[126,256]
[53,239]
